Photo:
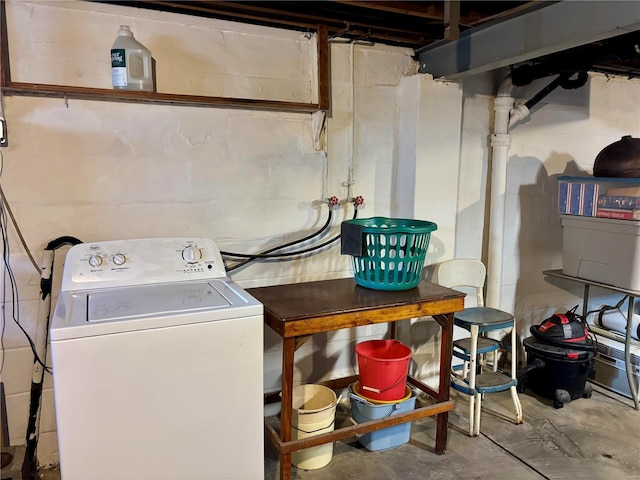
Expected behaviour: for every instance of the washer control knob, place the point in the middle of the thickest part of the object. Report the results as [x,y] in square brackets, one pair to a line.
[192,254]
[119,259]
[95,260]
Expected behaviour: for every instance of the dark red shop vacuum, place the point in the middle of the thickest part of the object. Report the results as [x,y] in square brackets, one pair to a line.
[560,359]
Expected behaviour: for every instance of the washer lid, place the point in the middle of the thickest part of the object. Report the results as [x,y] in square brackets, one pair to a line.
[142,307]
[158,300]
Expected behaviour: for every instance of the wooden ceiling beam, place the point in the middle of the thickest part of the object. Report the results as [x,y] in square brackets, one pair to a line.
[212,10]
[412,24]
[428,10]
[472,16]
[476,18]
[294,19]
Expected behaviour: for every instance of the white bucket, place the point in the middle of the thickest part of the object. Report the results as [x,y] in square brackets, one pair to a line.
[314,412]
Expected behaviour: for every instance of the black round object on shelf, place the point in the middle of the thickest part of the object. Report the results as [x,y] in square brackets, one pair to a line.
[620,159]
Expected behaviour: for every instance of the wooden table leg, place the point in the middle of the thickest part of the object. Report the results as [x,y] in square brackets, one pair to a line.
[289,348]
[446,347]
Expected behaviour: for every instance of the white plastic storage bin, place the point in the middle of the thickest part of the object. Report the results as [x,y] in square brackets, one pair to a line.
[602,249]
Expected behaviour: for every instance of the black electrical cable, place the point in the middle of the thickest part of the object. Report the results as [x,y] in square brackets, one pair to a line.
[19,233]
[270,255]
[252,257]
[3,296]
[8,272]
[15,313]
[15,300]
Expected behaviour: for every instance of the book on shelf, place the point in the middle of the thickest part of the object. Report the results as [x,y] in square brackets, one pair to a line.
[619,201]
[580,195]
[618,213]
[575,198]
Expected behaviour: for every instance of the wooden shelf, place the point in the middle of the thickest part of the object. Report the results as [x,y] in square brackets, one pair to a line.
[100,94]
[128,96]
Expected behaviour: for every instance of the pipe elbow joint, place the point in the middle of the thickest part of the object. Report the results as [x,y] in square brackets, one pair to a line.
[519,112]
[506,87]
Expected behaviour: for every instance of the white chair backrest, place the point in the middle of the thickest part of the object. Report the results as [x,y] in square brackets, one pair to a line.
[463,272]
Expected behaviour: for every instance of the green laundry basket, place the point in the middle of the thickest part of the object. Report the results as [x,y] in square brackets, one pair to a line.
[387,253]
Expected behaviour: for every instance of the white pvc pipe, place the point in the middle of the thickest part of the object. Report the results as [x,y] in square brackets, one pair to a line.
[352,130]
[500,142]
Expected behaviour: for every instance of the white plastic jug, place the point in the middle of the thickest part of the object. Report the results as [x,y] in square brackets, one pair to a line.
[131,63]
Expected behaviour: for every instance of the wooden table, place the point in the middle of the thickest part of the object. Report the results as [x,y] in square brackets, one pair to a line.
[297,311]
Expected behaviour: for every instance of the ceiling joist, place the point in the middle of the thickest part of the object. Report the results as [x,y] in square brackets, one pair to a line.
[425,26]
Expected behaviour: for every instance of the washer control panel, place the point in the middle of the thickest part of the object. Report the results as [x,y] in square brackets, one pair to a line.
[118,263]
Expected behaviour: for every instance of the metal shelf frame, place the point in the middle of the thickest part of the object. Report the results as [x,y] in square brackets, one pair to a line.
[633,294]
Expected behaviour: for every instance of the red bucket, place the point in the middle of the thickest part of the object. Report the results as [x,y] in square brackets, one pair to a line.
[383,366]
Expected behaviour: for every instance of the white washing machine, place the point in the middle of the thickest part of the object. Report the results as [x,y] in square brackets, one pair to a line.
[157,364]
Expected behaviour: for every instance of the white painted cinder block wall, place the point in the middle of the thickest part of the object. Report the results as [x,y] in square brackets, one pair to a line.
[563,135]
[249,180]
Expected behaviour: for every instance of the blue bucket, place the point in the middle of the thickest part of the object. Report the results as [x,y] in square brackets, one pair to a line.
[363,411]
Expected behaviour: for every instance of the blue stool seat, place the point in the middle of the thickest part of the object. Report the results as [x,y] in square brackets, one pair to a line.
[492,382]
[486,318]
[485,345]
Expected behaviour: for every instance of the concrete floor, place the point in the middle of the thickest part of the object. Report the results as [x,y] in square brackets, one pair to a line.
[596,438]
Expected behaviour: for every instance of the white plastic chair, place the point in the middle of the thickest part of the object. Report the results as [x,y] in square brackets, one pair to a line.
[477,377]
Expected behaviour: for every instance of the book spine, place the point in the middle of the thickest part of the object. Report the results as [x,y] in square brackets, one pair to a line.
[588,202]
[617,201]
[575,199]
[563,197]
[620,214]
